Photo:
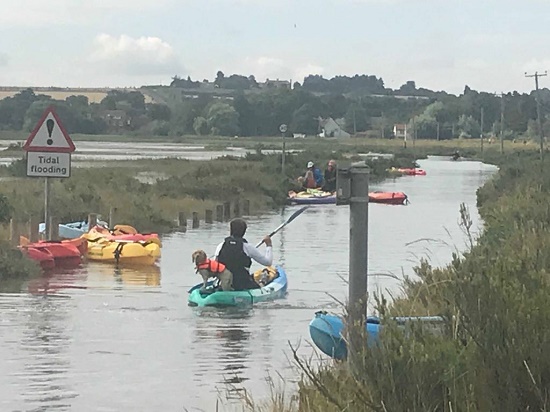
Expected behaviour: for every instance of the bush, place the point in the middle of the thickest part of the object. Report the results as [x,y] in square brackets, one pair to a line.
[14,265]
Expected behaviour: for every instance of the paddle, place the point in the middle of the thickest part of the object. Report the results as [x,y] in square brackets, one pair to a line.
[290,219]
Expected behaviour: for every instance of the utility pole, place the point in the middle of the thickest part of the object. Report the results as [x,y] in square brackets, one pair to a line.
[481,132]
[414,134]
[501,123]
[283,128]
[354,124]
[539,120]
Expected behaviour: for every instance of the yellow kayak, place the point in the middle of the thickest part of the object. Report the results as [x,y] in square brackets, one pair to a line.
[124,252]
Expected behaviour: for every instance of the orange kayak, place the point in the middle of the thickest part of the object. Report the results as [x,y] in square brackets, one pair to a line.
[389,198]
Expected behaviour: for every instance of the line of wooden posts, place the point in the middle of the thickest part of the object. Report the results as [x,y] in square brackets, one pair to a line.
[224,212]
[30,230]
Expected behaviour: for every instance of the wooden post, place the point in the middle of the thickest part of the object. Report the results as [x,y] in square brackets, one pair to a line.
[208,216]
[32,229]
[14,232]
[182,220]
[227,210]
[237,208]
[92,220]
[246,207]
[112,217]
[219,213]
[195,220]
[54,228]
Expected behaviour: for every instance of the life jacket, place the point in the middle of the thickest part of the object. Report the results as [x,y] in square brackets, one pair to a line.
[237,262]
[212,265]
[310,180]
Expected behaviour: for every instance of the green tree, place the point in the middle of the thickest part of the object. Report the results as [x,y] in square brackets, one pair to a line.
[358,116]
[468,126]
[200,126]
[158,112]
[223,119]
[181,121]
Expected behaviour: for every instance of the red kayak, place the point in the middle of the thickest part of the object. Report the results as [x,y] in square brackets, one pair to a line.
[389,198]
[42,256]
[411,171]
[64,254]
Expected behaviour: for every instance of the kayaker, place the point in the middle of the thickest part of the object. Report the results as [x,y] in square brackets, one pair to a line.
[330,177]
[313,177]
[237,254]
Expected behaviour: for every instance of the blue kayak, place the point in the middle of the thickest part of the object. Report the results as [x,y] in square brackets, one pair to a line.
[71,230]
[275,289]
[326,331]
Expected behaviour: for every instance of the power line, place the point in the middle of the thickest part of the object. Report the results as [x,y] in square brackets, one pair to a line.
[539,120]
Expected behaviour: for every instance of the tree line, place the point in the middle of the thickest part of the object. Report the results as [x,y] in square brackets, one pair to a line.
[361,103]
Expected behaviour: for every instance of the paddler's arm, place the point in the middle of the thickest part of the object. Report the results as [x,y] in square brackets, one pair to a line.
[265,258]
[218,249]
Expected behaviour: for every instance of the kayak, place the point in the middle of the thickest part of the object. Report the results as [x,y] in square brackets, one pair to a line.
[311,197]
[327,331]
[389,198]
[69,230]
[44,252]
[323,198]
[412,171]
[275,288]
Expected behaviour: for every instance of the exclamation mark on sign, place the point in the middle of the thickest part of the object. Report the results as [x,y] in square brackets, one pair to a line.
[49,124]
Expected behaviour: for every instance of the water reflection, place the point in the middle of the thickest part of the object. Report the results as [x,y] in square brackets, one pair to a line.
[46,385]
[122,276]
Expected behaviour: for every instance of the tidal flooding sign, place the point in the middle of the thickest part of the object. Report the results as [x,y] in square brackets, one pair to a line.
[47,164]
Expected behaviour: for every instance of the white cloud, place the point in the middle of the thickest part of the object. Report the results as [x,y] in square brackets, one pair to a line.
[41,13]
[135,56]
[3,59]
[265,67]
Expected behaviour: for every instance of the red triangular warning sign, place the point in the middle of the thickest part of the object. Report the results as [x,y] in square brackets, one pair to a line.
[49,135]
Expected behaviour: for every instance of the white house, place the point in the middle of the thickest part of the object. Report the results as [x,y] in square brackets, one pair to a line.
[400,131]
[331,129]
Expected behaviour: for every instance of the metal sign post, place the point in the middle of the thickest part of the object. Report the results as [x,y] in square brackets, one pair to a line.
[49,149]
[283,128]
[352,187]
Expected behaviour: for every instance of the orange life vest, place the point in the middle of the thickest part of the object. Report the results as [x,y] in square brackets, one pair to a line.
[212,265]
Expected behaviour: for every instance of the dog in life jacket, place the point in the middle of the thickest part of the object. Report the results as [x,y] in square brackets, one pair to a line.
[209,268]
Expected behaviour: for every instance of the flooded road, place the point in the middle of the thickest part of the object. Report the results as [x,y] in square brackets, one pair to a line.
[92,153]
[103,339]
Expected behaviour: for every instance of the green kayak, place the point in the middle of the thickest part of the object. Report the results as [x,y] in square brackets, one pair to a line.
[275,289]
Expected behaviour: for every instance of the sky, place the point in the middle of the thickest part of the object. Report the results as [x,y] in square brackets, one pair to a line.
[440,44]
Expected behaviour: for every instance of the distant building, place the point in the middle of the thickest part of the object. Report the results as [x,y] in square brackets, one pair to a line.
[400,131]
[283,84]
[330,128]
[116,119]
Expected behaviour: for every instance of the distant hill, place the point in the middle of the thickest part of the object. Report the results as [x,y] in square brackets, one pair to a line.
[94,95]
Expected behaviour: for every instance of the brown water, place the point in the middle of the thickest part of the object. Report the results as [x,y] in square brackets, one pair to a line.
[102,339]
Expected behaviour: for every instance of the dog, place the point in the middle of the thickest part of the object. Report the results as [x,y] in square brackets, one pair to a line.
[209,268]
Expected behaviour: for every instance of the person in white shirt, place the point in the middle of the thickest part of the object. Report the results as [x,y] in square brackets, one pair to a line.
[237,254]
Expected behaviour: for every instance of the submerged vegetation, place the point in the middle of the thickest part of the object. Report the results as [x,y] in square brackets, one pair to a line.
[493,354]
